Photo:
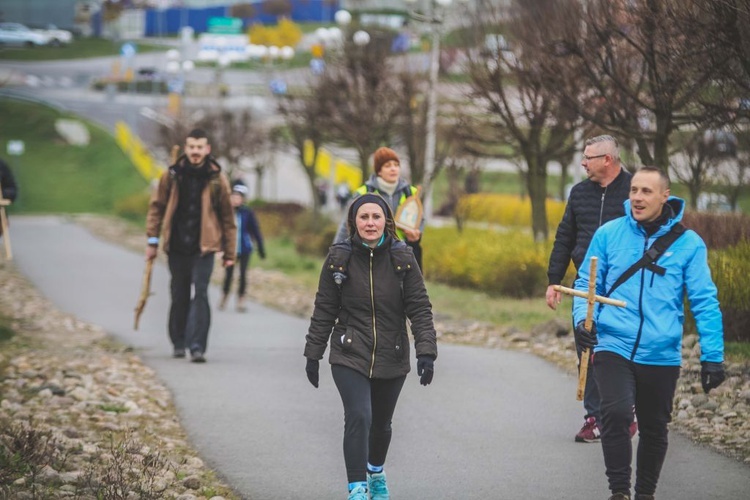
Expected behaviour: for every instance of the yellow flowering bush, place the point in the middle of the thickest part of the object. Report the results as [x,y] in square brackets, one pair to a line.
[499,262]
[505,209]
[286,33]
[730,269]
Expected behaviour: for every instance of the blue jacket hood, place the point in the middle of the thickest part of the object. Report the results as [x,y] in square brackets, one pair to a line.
[677,205]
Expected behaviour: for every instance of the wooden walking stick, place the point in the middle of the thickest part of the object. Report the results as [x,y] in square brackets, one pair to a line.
[591,298]
[145,292]
[146,283]
[4,231]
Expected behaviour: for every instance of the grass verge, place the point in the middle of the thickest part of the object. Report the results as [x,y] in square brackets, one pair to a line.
[52,175]
[79,48]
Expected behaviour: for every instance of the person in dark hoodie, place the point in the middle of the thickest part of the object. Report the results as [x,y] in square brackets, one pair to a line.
[387,182]
[191,215]
[369,286]
[248,231]
[638,348]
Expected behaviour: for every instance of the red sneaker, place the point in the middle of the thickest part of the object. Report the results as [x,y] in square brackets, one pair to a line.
[633,427]
[590,432]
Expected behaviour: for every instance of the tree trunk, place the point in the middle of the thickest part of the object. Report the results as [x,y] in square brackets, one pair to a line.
[536,183]
[563,180]
[363,157]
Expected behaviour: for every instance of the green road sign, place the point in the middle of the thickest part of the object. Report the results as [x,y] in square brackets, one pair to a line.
[225,25]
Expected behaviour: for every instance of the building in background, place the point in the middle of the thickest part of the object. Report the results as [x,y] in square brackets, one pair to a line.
[40,13]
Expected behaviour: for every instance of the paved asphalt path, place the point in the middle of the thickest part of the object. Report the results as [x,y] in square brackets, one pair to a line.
[493,425]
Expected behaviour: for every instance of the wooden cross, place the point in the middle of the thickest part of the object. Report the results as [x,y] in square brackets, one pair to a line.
[4,225]
[591,298]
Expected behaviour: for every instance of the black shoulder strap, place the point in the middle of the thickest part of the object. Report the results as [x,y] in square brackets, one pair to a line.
[651,256]
[338,261]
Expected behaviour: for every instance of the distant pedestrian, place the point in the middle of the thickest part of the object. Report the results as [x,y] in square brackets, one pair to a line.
[343,193]
[8,183]
[369,286]
[9,190]
[248,231]
[592,202]
[190,210]
[638,348]
[387,182]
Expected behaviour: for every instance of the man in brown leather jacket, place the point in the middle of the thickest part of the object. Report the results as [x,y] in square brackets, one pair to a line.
[191,211]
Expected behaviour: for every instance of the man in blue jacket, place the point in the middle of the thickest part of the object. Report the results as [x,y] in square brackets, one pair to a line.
[637,349]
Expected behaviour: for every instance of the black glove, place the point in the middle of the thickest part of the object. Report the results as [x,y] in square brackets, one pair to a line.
[584,338]
[312,369]
[425,369]
[712,375]
[262,254]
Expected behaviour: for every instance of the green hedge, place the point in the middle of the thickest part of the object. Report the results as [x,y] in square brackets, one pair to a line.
[730,269]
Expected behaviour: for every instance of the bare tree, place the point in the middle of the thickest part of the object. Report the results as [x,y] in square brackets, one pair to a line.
[411,129]
[514,105]
[638,72]
[277,7]
[242,10]
[356,97]
[693,165]
[233,136]
[303,118]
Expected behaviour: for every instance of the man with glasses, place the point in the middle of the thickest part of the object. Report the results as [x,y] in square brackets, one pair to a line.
[592,202]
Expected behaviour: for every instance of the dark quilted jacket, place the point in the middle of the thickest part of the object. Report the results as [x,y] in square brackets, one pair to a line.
[366,320]
[589,206]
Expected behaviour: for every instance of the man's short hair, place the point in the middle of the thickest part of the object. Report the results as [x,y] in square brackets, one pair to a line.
[614,148]
[198,133]
[666,183]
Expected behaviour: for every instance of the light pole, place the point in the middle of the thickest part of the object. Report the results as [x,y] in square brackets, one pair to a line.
[177,68]
[435,19]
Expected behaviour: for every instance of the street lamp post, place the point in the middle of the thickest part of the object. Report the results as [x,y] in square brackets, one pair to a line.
[177,68]
[435,20]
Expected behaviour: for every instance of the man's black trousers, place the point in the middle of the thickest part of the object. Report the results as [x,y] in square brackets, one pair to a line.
[622,384]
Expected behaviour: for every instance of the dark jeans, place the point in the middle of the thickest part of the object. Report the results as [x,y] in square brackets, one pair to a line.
[244,260]
[368,410]
[591,399]
[417,249]
[623,384]
[190,318]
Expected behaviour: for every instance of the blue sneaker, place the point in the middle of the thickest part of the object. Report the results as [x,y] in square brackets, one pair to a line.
[358,493]
[376,485]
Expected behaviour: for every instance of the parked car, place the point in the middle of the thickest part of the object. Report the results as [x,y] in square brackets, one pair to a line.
[57,37]
[20,35]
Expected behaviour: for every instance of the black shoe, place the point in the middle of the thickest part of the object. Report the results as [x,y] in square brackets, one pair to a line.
[197,357]
[178,353]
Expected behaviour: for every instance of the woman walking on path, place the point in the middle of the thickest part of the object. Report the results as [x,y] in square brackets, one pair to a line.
[387,182]
[369,286]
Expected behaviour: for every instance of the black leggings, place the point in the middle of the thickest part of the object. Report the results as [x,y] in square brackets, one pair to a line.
[623,384]
[244,260]
[368,409]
